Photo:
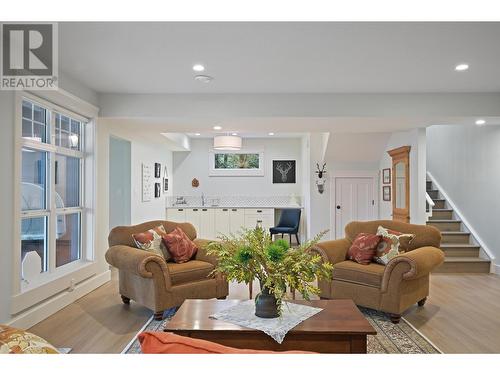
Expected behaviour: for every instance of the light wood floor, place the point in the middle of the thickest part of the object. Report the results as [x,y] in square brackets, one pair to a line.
[462,315]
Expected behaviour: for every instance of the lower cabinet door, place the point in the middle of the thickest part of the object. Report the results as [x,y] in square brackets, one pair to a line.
[237,220]
[193,216]
[207,224]
[177,215]
[222,221]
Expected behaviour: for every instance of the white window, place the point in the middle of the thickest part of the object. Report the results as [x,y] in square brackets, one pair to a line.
[52,196]
[236,163]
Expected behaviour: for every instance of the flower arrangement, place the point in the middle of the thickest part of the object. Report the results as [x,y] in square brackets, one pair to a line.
[253,255]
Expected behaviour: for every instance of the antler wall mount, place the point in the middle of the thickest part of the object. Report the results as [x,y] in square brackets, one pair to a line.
[321,179]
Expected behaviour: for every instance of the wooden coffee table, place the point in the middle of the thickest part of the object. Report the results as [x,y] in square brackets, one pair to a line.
[339,328]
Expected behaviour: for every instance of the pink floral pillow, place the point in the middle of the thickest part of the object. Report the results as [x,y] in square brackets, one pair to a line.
[180,247]
[363,248]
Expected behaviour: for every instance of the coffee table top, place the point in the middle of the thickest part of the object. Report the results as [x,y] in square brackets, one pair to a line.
[337,317]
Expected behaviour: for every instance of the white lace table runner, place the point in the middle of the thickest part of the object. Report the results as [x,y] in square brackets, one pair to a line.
[243,314]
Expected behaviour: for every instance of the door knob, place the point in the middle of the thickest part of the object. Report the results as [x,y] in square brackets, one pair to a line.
[338,207]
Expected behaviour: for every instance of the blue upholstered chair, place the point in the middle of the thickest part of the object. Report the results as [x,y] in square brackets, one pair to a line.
[288,224]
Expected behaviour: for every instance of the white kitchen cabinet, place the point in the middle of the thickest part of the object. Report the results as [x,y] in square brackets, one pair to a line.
[236,220]
[222,221]
[193,216]
[207,224]
[177,215]
[259,216]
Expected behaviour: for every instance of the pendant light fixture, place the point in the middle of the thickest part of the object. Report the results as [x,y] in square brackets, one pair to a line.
[227,142]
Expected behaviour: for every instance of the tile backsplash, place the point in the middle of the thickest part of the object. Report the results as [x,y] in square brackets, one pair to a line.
[237,201]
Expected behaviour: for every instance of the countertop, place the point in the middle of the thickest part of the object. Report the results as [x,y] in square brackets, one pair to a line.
[233,206]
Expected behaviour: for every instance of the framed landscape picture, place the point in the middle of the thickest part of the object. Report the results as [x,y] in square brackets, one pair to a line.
[386,193]
[284,171]
[386,176]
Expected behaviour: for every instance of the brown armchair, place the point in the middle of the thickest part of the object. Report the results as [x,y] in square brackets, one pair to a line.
[147,279]
[393,288]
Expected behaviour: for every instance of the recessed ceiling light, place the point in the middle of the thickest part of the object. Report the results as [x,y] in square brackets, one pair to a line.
[480,122]
[217,127]
[461,67]
[204,79]
[198,68]
[197,134]
[234,134]
[270,133]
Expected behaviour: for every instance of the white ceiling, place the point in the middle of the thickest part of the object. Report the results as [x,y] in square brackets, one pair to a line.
[282,57]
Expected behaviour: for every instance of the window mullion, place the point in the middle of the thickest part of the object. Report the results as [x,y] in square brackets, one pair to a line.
[52,190]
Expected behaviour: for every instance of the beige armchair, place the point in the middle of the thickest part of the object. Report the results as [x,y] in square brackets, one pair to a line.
[147,279]
[393,288]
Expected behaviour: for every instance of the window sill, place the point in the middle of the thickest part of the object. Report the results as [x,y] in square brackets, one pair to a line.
[65,277]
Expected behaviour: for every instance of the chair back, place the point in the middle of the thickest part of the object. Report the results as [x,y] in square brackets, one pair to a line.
[122,235]
[290,218]
[425,235]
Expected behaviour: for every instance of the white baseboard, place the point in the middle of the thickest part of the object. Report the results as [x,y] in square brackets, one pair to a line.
[464,220]
[45,309]
[495,268]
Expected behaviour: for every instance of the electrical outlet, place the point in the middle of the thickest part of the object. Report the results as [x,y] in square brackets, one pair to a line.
[72,284]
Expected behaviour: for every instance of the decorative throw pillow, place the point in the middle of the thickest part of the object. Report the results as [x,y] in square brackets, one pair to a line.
[170,343]
[179,245]
[152,241]
[389,245]
[19,341]
[363,248]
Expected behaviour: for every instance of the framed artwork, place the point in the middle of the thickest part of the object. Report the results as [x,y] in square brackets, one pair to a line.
[386,176]
[386,193]
[147,182]
[157,170]
[283,171]
[157,190]
[165,185]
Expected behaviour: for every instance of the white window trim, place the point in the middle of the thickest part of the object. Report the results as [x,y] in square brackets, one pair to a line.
[212,171]
[77,271]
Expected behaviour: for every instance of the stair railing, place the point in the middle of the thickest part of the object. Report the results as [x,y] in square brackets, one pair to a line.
[430,204]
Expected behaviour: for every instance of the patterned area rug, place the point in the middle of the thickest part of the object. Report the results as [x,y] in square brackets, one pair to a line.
[391,338]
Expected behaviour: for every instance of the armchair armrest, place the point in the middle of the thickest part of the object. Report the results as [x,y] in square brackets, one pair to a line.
[136,261]
[413,264]
[334,251]
[201,254]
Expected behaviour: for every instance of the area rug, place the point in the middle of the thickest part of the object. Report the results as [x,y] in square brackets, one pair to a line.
[391,338]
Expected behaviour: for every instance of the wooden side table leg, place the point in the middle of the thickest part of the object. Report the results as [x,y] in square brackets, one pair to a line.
[250,289]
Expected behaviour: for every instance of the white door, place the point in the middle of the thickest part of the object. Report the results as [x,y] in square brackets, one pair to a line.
[354,200]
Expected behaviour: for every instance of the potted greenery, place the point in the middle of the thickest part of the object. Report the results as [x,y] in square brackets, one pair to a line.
[253,255]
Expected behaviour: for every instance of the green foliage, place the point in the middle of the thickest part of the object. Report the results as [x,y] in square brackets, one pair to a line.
[253,255]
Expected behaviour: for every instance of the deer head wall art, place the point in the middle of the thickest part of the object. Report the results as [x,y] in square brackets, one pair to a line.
[321,180]
[283,171]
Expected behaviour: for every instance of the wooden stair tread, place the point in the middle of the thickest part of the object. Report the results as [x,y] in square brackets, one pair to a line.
[442,209]
[444,221]
[465,260]
[453,232]
[462,245]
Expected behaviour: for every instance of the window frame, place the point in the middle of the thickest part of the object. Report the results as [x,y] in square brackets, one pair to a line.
[55,277]
[236,171]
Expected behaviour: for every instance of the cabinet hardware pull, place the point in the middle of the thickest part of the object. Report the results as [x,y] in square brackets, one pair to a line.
[224,209]
[204,209]
[234,209]
[195,209]
[180,209]
[259,211]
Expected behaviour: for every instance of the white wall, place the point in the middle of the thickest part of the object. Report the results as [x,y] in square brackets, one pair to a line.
[465,161]
[6,200]
[143,150]
[416,139]
[195,164]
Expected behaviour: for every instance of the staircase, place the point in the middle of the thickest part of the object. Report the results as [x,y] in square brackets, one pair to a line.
[461,255]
